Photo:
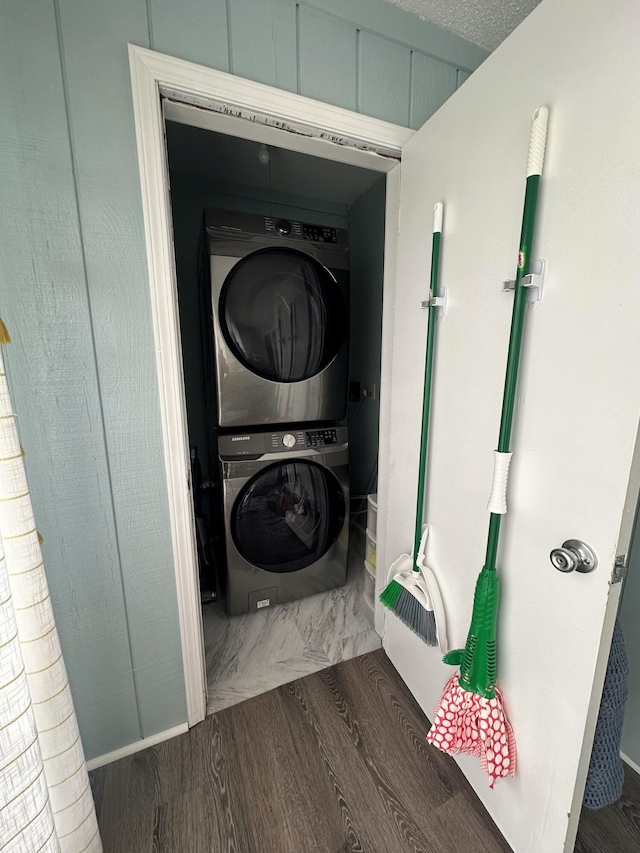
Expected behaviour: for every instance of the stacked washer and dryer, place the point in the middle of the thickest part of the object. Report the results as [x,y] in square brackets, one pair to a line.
[280,348]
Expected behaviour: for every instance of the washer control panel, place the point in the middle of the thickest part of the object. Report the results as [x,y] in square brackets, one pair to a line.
[257,444]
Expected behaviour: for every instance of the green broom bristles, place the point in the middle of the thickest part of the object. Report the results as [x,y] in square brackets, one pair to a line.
[389,595]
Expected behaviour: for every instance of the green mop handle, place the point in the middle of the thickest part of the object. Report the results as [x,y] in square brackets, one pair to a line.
[478,659]
[497,503]
[478,662]
[428,374]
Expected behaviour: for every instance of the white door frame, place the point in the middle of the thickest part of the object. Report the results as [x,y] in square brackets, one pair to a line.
[317,128]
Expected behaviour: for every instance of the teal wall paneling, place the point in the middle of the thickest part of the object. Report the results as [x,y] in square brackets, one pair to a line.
[330,51]
[52,375]
[75,293]
[383,18]
[327,58]
[432,82]
[94,38]
[263,42]
[195,30]
[384,73]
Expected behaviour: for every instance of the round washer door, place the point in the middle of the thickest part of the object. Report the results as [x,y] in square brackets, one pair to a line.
[282,314]
[288,516]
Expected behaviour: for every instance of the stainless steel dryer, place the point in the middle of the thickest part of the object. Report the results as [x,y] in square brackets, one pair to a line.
[280,315]
[286,514]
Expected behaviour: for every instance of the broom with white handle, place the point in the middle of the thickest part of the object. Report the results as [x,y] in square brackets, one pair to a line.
[412,590]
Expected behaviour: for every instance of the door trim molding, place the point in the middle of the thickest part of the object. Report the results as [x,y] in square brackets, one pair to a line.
[136,746]
[330,132]
[632,764]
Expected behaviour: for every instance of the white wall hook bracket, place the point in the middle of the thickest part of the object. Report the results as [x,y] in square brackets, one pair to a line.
[438,302]
[533,281]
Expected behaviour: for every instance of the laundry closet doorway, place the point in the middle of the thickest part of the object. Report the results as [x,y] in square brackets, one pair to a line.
[165,90]
[279,272]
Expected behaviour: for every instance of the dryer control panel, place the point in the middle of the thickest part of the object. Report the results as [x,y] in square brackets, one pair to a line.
[231,232]
[302,230]
[319,233]
[291,440]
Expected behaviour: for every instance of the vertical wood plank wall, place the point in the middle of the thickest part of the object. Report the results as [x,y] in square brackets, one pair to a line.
[74,291]
[52,373]
[94,36]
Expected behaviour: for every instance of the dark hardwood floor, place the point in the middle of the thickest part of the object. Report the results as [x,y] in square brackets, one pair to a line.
[616,828]
[332,763]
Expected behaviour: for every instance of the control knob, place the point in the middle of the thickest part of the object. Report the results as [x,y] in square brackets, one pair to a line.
[283,226]
[289,440]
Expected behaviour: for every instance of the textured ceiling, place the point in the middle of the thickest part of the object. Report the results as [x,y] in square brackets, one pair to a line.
[484,22]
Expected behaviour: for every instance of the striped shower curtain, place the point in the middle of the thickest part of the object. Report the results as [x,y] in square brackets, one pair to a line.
[46,803]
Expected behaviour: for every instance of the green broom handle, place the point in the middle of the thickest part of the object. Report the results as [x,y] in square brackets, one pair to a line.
[537,142]
[428,374]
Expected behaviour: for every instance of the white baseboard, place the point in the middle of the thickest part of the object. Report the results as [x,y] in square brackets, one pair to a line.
[631,763]
[136,746]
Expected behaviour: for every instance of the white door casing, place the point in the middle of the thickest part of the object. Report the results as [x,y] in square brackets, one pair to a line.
[212,99]
[579,393]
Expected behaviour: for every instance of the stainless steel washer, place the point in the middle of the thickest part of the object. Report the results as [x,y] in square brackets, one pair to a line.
[286,514]
[280,316]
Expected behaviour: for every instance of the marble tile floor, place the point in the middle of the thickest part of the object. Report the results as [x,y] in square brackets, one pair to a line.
[250,654]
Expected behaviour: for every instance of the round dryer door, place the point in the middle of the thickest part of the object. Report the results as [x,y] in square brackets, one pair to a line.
[288,516]
[282,314]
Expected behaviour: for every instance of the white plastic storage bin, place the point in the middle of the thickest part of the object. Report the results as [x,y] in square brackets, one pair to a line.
[372,513]
[370,550]
[369,583]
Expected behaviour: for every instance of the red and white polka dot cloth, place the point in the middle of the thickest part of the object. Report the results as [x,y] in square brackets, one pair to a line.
[467,723]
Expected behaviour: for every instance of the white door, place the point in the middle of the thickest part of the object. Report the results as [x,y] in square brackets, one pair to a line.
[579,392]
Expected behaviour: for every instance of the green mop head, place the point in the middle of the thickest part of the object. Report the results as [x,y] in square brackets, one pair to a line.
[477,661]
